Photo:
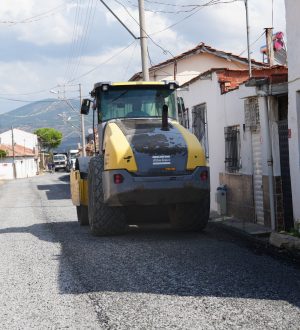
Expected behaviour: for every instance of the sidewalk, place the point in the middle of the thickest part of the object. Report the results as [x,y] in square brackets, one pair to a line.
[243,227]
[256,234]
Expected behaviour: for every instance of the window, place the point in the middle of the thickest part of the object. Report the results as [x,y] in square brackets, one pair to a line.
[183,113]
[252,113]
[185,118]
[139,103]
[199,114]
[232,148]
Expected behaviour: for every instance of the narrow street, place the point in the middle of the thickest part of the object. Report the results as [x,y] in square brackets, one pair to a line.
[54,274]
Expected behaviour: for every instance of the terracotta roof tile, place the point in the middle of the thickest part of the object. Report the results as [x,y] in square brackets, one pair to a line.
[20,151]
[201,48]
[232,79]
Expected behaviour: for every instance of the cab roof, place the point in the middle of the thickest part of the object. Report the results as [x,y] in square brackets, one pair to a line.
[135,83]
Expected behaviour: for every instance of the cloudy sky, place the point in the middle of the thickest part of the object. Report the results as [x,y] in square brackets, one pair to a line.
[66,42]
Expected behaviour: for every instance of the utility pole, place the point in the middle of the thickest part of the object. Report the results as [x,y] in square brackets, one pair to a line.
[143,41]
[82,125]
[270,49]
[13,150]
[248,39]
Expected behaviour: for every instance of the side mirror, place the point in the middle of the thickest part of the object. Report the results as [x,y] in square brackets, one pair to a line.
[85,106]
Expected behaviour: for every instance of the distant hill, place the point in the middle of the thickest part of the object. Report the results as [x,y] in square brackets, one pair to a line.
[48,113]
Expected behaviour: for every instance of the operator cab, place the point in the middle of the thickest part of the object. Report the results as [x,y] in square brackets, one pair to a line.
[134,100]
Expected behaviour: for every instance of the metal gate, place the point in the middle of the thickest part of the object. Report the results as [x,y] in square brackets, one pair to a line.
[285,174]
[257,177]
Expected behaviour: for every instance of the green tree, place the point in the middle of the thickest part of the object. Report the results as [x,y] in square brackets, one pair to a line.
[50,137]
[3,153]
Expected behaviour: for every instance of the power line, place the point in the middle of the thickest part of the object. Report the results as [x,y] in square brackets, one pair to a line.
[83,40]
[118,18]
[36,17]
[29,93]
[253,43]
[130,60]
[37,92]
[104,62]
[200,7]
[75,39]
[165,51]
[34,114]
[18,100]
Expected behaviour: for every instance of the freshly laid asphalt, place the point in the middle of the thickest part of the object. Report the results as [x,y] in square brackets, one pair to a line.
[54,274]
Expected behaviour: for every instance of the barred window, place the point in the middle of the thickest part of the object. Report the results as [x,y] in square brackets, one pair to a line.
[251,107]
[232,148]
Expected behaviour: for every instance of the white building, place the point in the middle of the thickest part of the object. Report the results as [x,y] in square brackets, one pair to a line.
[193,62]
[228,118]
[22,138]
[293,38]
[25,153]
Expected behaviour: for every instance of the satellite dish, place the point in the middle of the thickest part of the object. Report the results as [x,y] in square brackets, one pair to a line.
[90,131]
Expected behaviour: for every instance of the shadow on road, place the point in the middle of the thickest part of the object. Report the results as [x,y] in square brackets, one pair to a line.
[64,178]
[55,191]
[167,263]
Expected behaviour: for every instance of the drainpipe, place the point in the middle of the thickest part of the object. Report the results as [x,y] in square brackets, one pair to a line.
[267,139]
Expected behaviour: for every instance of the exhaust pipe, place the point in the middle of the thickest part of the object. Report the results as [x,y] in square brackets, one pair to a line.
[164,118]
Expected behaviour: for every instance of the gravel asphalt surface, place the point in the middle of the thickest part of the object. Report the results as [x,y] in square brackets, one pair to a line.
[55,275]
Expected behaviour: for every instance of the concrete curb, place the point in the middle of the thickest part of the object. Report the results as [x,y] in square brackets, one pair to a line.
[260,243]
[285,241]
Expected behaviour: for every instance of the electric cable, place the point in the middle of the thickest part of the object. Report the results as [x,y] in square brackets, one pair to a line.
[104,62]
[35,17]
[130,60]
[84,40]
[74,37]
[253,43]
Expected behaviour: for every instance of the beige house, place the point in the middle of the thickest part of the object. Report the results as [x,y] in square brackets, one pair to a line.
[193,62]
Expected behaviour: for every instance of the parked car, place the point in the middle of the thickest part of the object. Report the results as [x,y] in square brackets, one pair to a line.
[60,162]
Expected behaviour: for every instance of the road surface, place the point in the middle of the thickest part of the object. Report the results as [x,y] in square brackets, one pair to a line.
[54,274]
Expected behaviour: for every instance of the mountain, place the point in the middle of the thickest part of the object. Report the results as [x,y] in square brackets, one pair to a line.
[59,114]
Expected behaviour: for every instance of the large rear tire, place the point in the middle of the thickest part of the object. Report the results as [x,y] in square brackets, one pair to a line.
[190,216]
[103,219]
[82,215]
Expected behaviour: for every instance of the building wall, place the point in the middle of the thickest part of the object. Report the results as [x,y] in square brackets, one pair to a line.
[239,196]
[6,170]
[293,37]
[222,111]
[25,168]
[22,138]
[274,135]
[191,66]
[228,110]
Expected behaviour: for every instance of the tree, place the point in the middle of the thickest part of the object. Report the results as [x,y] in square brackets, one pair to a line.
[50,137]
[3,153]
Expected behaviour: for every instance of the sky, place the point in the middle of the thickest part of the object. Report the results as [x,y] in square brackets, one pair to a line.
[48,48]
